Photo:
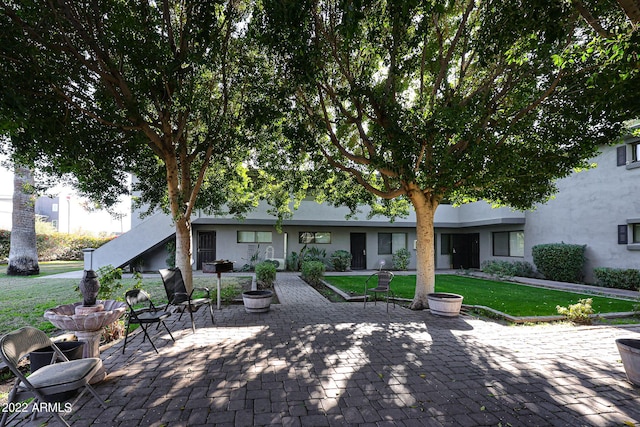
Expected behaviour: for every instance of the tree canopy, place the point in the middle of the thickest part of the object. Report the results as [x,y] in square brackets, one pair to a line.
[376,101]
[158,89]
[457,101]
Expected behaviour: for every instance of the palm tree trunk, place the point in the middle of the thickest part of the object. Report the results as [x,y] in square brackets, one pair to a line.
[23,253]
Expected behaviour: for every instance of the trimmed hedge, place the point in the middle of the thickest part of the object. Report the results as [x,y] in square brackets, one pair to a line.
[265,274]
[561,262]
[5,242]
[503,269]
[56,246]
[313,271]
[619,278]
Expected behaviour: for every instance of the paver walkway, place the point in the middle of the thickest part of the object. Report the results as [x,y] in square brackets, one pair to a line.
[310,362]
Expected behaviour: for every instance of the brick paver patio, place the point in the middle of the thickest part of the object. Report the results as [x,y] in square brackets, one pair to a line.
[310,362]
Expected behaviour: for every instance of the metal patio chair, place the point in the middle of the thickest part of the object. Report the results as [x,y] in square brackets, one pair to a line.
[47,381]
[178,296]
[144,316]
[384,279]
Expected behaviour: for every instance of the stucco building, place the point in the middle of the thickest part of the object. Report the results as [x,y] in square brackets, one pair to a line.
[598,207]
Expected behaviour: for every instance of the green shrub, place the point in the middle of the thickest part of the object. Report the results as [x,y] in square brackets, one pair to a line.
[618,278]
[56,246]
[401,259]
[66,247]
[293,262]
[313,272]
[110,278]
[110,281]
[560,261]
[229,292]
[341,260]
[171,254]
[503,269]
[578,313]
[313,254]
[5,242]
[265,274]
[497,268]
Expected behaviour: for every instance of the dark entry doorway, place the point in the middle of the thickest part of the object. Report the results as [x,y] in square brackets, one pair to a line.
[206,248]
[466,250]
[358,251]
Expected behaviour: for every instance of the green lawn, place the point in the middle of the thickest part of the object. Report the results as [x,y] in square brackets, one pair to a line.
[23,300]
[510,298]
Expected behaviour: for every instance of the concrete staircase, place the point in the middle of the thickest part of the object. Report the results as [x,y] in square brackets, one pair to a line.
[127,247]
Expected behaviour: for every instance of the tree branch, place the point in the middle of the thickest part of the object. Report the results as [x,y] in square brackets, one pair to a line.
[591,20]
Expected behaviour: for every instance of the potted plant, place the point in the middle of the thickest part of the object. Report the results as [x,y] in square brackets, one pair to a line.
[629,349]
[444,304]
[259,301]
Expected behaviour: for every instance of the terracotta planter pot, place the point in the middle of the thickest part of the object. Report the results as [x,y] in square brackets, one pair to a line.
[444,304]
[630,354]
[257,301]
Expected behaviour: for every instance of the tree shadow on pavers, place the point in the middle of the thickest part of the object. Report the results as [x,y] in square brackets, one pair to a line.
[347,365]
[551,375]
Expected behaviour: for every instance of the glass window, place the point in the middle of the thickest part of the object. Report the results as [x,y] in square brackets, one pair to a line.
[255,236]
[398,241]
[323,238]
[516,243]
[508,243]
[263,237]
[246,237]
[501,244]
[389,243]
[384,243]
[320,237]
[635,151]
[636,232]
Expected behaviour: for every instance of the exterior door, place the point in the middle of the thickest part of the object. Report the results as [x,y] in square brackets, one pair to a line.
[466,250]
[358,251]
[206,248]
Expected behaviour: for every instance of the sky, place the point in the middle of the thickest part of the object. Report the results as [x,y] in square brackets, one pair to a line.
[73,216]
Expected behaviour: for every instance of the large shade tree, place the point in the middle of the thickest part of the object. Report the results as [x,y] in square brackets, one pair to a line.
[106,87]
[451,101]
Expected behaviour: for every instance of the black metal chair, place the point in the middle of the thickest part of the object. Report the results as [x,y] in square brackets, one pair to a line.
[384,279]
[144,316]
[49,381]
[178,296]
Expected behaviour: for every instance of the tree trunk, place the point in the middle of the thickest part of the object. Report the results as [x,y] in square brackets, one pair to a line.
[425,208]
[181,219]
[183,251]
[23,253]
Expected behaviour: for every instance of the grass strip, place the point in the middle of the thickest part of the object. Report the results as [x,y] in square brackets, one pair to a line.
[23,300]
[510,298]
